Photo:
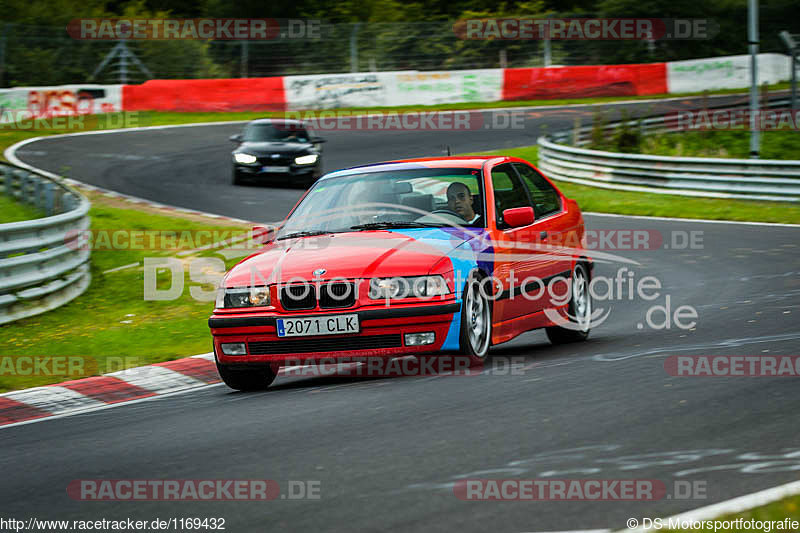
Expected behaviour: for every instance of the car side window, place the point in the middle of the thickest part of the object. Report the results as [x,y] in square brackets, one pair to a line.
[508,191]
[545,198]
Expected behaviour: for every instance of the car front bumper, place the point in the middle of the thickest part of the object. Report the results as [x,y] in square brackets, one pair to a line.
[304,172]
[382,334]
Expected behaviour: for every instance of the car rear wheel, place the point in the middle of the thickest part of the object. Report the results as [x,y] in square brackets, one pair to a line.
[579,311]
[476,322]
[248,379]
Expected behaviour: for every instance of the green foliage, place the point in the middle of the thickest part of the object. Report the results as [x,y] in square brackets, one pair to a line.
[627,136]
[736,144]
[393,35]
[598,138]
[13,211]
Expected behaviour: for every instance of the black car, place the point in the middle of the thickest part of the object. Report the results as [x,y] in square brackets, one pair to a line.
[273,149]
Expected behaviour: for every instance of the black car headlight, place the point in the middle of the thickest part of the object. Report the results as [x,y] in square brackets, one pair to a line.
[242,297]
[407,287]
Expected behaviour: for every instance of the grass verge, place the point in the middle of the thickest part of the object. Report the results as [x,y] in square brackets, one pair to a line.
[666,205]
[111,322]
[735,144]
[13,211]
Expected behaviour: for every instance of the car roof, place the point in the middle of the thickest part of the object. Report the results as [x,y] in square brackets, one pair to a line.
[284,121]
[475,162]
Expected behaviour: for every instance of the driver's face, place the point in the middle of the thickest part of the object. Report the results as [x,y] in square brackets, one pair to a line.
[460,201]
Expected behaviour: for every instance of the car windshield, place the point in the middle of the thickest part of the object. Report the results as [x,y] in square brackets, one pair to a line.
[390,199]
[275,133]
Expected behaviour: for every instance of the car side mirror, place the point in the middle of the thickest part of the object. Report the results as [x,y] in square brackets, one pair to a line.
[317,140]
[262,234]
[518,216]
[236,138]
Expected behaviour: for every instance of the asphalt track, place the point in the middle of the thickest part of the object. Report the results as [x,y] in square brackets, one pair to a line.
[387,451]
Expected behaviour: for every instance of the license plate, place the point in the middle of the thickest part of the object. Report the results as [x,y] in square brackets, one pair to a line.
[275,169]
[317,325]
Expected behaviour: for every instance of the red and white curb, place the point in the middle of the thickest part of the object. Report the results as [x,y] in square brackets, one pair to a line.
[98,392]
[118,388]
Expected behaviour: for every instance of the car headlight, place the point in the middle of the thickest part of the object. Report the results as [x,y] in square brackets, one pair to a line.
[245,159]
[242,297]
[306,159]
[407,287]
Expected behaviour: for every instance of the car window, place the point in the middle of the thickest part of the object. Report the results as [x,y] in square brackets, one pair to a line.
[545,198]
[275,133]
[508,191]
[414,195]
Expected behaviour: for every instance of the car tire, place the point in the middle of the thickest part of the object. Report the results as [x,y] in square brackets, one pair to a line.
[236,180]
[476,322]
[250,379]
[579,311]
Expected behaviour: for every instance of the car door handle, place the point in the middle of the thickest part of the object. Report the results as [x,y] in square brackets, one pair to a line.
[543,235]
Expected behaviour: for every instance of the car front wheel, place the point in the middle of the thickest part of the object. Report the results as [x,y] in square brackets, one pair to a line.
[247,379]
[236,180]
[579,311]
[476,322]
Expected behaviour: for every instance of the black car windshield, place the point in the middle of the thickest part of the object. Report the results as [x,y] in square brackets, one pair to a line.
[391,199]
[275,133]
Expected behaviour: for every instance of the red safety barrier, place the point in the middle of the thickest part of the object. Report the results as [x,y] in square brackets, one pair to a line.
[584,81]
[268,94]
[238,94]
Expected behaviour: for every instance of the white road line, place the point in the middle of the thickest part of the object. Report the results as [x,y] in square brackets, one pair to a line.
[579,531]
[735,505]
[701,220]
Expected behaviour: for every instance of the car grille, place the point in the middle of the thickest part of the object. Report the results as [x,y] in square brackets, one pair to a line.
[335,295]
[281,160]
[303,296]
[299,296]
[325,344]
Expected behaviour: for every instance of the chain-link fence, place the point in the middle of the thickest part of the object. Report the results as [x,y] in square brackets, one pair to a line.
[43,55]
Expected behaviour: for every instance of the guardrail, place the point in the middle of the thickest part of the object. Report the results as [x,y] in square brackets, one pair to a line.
[43,263]
[749,179]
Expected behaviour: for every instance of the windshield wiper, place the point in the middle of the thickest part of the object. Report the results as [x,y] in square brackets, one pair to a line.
[397,224]
[297,234]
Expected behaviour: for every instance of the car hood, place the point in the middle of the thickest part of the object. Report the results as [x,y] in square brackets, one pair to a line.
[264,148]
[364,254]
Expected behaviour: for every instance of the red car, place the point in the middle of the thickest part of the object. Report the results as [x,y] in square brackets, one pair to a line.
[424,256]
